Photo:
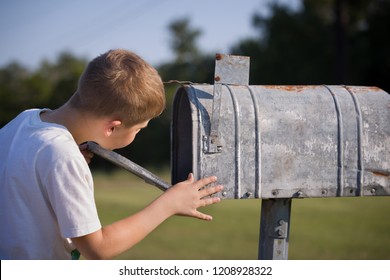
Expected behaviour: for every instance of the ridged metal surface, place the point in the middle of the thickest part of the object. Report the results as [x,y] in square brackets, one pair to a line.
[286,141]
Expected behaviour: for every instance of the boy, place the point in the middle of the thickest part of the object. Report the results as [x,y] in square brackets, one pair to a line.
[47,207]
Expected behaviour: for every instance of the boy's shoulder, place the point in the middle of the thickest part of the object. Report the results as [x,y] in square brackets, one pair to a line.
[28,117]
[29,133]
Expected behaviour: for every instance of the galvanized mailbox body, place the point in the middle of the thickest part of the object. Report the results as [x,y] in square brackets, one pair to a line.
[285,141]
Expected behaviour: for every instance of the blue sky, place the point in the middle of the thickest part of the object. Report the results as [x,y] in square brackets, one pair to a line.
[33,30]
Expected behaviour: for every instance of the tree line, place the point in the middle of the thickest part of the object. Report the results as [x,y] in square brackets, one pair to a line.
[323,42]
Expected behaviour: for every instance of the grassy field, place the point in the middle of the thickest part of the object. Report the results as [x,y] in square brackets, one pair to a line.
[331,228]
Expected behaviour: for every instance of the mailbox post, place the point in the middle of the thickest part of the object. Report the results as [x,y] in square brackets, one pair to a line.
[274,229]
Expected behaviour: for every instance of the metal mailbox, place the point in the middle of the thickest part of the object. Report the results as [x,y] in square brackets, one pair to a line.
[284,141]
[277,143]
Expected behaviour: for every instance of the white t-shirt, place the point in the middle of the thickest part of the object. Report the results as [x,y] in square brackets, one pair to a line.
[46,190]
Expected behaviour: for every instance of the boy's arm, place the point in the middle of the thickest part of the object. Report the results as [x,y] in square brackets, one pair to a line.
[182,199]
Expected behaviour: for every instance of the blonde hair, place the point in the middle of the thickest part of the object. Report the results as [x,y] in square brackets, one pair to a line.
[121,85]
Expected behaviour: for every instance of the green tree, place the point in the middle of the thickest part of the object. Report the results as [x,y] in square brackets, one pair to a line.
[48,86]
[190,62]
[325,42]
[64,76]
[184,40]
[13,98]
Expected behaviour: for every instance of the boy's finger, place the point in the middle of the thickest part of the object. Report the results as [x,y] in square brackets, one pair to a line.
[211,190]
[202,216]
[190,177]
[83,146]
[205,181]
[210,200]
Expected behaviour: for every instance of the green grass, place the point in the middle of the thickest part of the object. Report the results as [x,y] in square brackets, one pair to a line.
[329,228]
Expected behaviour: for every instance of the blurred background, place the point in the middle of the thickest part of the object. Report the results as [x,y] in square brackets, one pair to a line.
[45,46]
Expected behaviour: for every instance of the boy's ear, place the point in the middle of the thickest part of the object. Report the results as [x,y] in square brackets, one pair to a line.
[110,127]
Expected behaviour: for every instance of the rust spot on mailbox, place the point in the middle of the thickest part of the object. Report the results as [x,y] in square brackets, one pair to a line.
[291,88]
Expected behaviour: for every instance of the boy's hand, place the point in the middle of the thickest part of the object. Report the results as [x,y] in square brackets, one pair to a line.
[186,197]
[87,154]
[181,199]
